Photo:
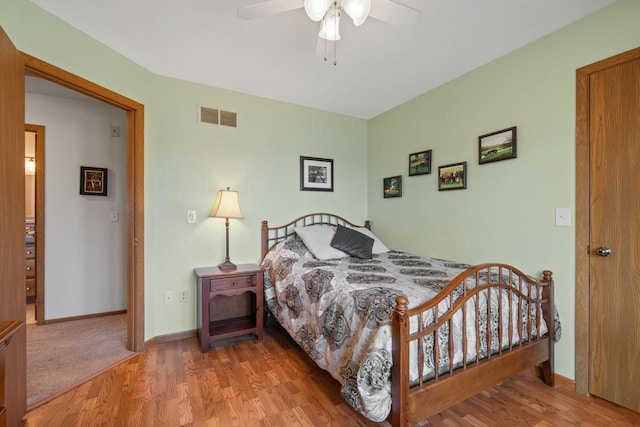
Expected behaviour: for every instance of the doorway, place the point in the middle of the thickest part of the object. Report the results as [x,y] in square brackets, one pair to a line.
[135,185]
[36,210]
[607,208]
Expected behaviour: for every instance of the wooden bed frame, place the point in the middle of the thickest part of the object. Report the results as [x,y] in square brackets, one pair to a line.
[414,402]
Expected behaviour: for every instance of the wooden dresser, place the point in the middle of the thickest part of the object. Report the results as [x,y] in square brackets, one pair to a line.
[7,330]
[30,273]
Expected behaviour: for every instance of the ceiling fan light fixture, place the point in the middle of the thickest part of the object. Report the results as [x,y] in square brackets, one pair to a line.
[358,10]
[316,9]
[330,28]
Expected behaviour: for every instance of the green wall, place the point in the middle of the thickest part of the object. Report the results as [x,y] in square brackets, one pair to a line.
[186,163]
[507,213]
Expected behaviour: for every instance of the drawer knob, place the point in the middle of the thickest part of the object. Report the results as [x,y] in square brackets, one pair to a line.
[28,288]
[28,268]
[28,252]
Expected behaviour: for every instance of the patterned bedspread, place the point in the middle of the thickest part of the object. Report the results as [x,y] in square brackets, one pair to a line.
[339,311]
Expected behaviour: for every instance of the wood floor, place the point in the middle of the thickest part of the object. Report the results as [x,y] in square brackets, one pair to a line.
[273,383]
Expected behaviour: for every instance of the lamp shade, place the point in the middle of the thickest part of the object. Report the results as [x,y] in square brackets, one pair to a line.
[358,10]
[330,28]
[226,205]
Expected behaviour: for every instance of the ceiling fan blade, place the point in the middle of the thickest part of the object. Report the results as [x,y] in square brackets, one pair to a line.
[267,8]
[394,13]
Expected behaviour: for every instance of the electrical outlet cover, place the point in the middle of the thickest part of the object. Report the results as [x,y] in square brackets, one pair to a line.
[168,297]
[183,296]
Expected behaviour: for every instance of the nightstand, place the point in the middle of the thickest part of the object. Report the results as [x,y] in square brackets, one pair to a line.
[30,273]
[213,324]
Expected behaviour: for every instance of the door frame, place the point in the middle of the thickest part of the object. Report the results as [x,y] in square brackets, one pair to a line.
[583,76]
[40,220]
[135,185]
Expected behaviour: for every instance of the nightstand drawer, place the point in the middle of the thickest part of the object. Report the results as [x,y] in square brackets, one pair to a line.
[29,252]
[30,267]
[219,284]
[31,287]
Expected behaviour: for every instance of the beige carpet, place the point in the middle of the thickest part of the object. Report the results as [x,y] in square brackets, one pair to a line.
[62,354]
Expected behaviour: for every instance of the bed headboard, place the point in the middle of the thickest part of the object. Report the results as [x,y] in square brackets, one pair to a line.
[271,236]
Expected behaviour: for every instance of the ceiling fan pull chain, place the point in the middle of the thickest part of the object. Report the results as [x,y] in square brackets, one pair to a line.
[335,40]
[325,50]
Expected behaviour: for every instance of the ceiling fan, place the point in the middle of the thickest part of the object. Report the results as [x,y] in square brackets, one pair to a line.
[329,13]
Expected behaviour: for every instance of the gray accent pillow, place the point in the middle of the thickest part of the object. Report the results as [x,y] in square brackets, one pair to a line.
[352,242]
[378,246]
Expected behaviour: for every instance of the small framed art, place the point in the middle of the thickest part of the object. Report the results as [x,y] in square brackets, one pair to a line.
[496,146]
[452,177]
[392,186]
[316,174]
[420,163]
[93,181]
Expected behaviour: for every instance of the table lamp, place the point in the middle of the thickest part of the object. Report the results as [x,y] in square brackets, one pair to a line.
[226,206]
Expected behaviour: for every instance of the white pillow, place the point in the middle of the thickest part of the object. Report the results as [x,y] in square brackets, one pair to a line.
[318,238]
[378,246]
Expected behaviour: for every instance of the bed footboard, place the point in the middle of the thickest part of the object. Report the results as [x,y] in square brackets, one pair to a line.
[509,343]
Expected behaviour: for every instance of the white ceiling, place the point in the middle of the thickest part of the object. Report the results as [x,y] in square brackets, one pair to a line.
[45,87]
[379,65]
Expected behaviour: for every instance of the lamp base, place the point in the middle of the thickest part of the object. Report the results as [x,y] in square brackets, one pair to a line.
[227,265]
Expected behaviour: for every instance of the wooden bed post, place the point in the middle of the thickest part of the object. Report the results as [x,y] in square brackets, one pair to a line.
[265,239]
[400,368]
[547,312]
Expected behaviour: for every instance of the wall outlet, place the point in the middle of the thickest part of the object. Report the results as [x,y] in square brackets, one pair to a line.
[168,297]
[183,296]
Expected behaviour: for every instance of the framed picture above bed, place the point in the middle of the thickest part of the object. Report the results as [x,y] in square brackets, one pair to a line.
[452,176]
[496,146]
[420,163]
[316,174]
[93,181]
[392,186]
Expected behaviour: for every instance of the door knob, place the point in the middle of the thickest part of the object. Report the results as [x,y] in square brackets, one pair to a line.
[603,251]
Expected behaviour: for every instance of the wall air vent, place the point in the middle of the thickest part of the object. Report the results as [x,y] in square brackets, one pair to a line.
[208,115]
[228,118]
[214,116]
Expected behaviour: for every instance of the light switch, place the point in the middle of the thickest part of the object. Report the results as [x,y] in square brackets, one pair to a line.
[563,217]
[114,216]
[192,217]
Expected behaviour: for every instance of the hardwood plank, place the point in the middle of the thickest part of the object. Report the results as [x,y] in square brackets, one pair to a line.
[273,383]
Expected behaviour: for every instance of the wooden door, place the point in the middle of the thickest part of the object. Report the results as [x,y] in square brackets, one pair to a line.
[12,289]
[614,224]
